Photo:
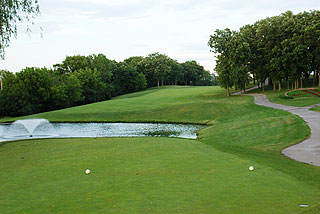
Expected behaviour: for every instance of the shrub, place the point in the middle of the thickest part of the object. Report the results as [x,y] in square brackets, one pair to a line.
[283,96]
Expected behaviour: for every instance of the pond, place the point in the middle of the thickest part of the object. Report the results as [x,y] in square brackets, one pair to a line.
[41,128]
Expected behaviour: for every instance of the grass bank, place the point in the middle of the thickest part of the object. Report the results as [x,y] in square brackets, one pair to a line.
[315,109]
[299,101]
[165,175]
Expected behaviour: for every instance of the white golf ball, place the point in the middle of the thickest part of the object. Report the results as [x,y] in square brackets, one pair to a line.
[251,168]
[88,171]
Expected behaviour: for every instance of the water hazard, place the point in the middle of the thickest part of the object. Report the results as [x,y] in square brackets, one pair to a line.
[41,128]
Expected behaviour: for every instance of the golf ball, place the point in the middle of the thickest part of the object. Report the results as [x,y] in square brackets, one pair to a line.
[88,171]
[251,168]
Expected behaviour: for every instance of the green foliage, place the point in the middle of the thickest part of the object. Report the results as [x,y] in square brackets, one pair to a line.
[279,48]
[103,65]
[127,79]
[93,88]
[232,65]
[193,72]
[72,63]
[36,90]
[283,96]
[12,12]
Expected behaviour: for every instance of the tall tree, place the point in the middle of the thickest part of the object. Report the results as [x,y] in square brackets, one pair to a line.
[193,72]
[102,64]
[127,79]
[221,44]
[11,13]
[312,35]
[155,66]
[94,89]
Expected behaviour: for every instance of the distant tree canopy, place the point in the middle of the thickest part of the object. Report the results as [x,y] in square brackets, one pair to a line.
[282,48]
[81,80]
[12,12]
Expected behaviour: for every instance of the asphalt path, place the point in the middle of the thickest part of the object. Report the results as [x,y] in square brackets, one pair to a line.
[308,151]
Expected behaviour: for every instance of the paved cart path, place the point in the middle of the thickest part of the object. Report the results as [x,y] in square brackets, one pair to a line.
[308,151]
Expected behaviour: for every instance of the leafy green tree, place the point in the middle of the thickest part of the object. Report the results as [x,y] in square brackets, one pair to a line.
[134,61]
[312,35]
[282,48]
[154,67]
[12,101]
[175,75]
[12,12]
[66,91]
[35,90]
[224,73]
[72,63]
[207,79]
[102,64]
[193,72]
[94,89]
[127,79]
[221,44]
[37,83]
[240,57]
[26,92]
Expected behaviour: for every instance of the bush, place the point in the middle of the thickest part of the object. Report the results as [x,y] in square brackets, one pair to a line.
[283,96]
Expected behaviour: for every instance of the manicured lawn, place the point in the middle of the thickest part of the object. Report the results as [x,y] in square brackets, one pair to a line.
[164,175]
[304,99]
[315,108]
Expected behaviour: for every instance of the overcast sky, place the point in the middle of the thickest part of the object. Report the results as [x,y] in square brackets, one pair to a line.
[120,29]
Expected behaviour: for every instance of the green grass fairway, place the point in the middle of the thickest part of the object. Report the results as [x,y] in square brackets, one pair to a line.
[164,175]
[170,104]
[141,175]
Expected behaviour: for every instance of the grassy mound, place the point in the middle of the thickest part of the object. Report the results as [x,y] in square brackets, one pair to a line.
[164,175]
[315,109]
[298,98]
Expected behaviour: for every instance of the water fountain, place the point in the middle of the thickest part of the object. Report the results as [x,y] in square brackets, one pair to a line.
[22,129]
[42,128]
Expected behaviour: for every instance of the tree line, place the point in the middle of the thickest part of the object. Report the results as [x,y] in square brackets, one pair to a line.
[79,80]
[282,49]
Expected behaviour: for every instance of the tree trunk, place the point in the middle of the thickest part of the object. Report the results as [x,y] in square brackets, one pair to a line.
[298,86]
[301,83]
[319,80]
[274,85]
[288,85]
[292,85]
[228,91]
[279,85]
[158,83]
